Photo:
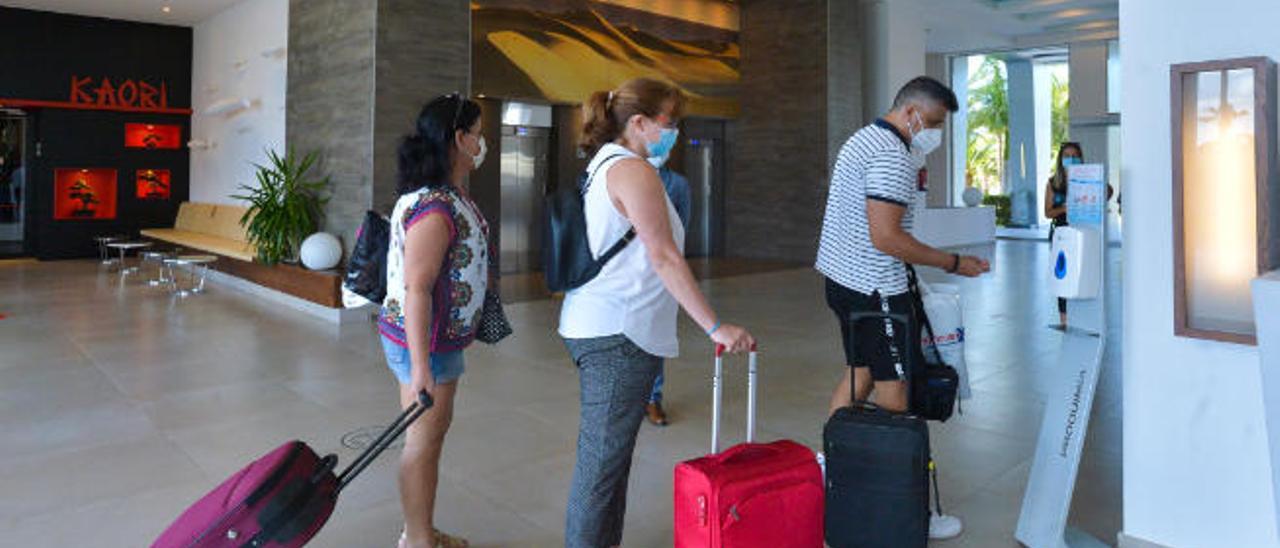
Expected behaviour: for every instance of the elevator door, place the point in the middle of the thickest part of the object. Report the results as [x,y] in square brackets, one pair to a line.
[12,183]
[525,172]
[704,169]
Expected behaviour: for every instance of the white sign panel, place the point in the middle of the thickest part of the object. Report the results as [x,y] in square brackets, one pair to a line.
[1047,501]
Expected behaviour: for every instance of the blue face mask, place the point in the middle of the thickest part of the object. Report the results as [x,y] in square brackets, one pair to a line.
[665,143]
[658,161]
[1070,161]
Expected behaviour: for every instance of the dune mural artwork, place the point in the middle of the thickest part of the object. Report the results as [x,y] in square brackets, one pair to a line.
[560,51]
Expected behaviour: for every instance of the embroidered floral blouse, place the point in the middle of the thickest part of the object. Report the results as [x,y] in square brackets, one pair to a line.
[458,296]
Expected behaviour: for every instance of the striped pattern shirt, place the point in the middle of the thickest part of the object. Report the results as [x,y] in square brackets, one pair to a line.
[875,164]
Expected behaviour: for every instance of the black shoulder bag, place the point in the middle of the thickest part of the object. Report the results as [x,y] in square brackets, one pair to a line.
[367,267]
[934,384]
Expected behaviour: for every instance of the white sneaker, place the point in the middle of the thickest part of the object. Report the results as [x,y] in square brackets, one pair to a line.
[942,526]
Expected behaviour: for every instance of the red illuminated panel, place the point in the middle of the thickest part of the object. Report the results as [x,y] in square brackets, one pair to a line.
[84,194]
[153,184]
[152,136]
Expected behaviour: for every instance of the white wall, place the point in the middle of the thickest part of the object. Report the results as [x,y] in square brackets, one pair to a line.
[1042,78]
[238,35]
[895,51]
[1196,465]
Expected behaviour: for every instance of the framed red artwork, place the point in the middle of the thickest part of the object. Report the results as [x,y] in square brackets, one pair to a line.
[152,184]
[152,136]
[84,194]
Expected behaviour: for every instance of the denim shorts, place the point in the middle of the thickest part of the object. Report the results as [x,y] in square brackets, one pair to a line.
[446,367]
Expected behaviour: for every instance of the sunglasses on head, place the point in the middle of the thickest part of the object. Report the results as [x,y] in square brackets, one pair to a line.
[457,113]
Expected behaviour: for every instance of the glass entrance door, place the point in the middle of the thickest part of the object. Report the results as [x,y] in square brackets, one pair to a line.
[13,179]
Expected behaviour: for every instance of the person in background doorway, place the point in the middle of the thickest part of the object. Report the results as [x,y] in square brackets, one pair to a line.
[1055,202]
[677,188]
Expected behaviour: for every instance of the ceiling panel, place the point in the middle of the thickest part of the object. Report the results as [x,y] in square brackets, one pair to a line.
[181,12]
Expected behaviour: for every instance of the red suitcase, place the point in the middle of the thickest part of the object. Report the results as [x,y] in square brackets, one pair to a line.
[280,500]
[754,494]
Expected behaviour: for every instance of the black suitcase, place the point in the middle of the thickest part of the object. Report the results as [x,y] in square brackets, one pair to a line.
[879,466]
[877,479]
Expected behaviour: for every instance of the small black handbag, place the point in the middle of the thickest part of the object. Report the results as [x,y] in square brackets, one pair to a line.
[493,326]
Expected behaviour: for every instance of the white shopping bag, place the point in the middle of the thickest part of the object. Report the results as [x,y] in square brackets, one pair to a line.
[942,304]
[351,299]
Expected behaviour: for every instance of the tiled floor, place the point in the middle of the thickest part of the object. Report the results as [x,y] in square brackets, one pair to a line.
[120,405]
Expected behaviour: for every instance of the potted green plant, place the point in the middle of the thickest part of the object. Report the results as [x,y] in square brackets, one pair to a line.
[285,206]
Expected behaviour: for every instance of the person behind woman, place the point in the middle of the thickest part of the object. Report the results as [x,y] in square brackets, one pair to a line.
[1055,201]
[619,326]
[438,269]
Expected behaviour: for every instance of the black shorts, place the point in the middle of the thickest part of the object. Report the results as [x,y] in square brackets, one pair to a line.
[875,342]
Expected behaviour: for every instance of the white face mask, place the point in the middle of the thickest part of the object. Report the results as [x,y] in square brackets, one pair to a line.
[927,139]
[479,157]
[918,160]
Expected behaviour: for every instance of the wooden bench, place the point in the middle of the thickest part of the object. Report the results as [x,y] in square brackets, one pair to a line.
[216,229]
[213,228]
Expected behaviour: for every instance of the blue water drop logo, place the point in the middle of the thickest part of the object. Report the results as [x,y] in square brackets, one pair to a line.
[1060,268]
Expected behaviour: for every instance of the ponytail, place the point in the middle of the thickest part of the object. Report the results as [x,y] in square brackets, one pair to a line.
[598,124]
[605,114]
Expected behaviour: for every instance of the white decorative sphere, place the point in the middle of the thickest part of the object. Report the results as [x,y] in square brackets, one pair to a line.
[320,251]
[972,196]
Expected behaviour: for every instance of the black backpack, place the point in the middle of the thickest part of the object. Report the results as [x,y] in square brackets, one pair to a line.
[567,260]
[367,266]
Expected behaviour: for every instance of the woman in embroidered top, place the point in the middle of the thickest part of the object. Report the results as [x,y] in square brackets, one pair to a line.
[620,325]
[438,268]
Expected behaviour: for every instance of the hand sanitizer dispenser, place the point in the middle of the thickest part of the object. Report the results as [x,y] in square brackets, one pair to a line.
[1075,253]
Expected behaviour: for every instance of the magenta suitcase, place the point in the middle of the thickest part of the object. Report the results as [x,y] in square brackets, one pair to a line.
[280,500]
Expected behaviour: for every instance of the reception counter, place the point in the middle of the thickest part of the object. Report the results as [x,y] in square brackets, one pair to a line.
[953,227]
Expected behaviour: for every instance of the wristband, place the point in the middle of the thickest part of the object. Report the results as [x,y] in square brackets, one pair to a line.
[713,329]
[955,263]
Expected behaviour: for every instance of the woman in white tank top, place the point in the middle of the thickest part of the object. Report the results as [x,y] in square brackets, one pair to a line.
[620,325]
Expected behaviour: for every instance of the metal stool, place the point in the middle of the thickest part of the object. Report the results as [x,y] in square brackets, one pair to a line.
[197,267]
[158,257]
[103,252]
[124,248]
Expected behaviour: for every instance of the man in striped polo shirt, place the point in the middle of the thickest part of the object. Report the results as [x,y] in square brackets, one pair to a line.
[866,239]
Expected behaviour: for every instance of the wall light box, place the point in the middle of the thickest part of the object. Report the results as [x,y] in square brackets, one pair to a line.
[1224,193]
[152,136]
[152,184]
[84,194]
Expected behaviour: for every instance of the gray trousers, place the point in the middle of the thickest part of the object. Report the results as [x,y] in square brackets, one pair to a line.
[616,377]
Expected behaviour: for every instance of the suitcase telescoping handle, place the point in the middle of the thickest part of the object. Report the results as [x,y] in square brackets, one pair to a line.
[717,391]
[406,418]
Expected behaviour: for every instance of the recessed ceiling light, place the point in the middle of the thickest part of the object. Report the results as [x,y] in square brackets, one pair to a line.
[165,8]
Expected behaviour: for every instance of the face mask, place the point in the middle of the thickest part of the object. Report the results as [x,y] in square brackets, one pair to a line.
[1070,161]
[479,157]
[658,161]
[665,143]
[927,139]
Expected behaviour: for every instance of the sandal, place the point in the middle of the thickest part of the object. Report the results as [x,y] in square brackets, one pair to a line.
[442,540]
[449,541]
